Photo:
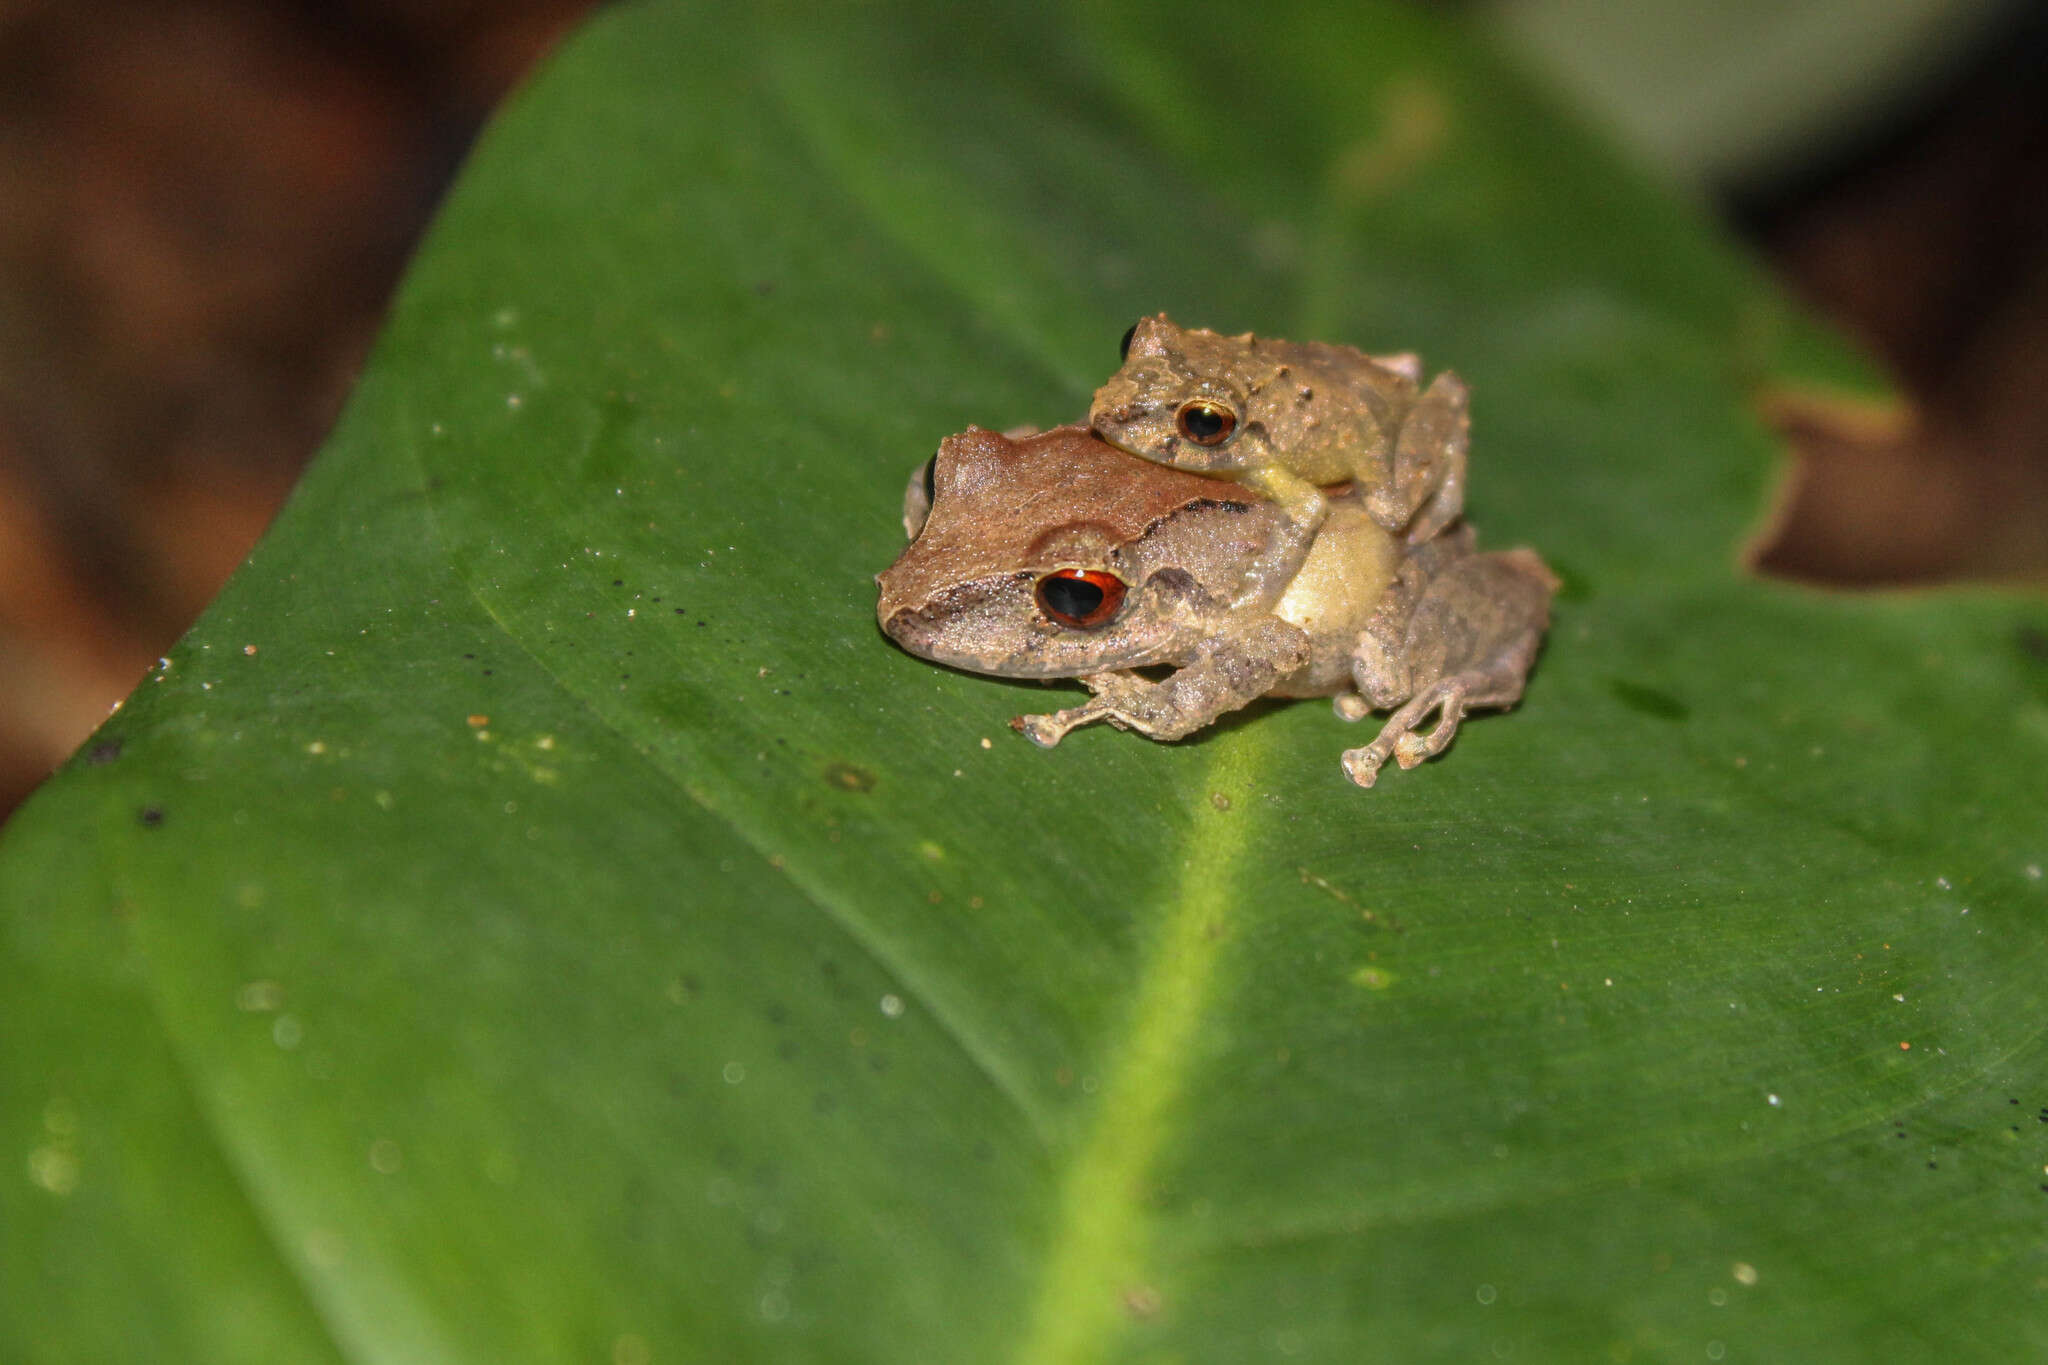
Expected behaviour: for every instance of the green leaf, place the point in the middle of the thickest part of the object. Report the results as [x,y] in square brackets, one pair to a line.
[535,916]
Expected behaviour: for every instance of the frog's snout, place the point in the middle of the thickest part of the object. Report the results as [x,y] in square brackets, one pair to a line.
[900,625]
[914,630]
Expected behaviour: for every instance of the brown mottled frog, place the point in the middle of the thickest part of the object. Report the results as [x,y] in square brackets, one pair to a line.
[1284,418]
[1059,556]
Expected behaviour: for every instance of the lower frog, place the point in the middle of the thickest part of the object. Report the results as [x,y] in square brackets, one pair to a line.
[1059,556]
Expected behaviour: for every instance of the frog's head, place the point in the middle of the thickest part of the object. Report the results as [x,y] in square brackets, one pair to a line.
[1197,399]
[1058,555]
[1183,398]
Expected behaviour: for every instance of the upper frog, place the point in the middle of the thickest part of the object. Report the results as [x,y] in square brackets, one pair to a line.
[1284,417]
[1060,556]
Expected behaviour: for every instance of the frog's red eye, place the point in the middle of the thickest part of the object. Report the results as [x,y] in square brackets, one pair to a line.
[1205,421]
[1080,597]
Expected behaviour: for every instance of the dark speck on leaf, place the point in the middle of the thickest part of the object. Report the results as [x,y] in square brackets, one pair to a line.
[846,777]
[2033,643]
[618,582]
[106,751]
[153,816]
[1648,700]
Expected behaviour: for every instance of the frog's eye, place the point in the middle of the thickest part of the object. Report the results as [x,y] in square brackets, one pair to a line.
[1205,421]
[1080,597]
[931,481]
[1123,348]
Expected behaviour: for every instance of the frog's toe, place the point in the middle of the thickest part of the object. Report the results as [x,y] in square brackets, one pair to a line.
[1411,749]
[1350,706]
[1044,731]
[1362,766]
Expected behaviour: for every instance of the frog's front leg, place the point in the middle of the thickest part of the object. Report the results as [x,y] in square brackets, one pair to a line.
[1304,508]
[1224,675]
[1470,643]
[1050,727]
[1427,491]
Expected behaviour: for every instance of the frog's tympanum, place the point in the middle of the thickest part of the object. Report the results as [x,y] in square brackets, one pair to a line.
[1058,556]
[1283,417]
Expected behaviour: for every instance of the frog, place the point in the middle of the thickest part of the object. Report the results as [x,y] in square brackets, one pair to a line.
[1287,418]
[1058,555]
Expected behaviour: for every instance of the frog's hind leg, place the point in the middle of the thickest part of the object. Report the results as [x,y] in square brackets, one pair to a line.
[1470,643]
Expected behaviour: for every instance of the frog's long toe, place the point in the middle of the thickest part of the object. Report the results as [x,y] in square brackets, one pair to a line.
[1044,730]
[1048,729]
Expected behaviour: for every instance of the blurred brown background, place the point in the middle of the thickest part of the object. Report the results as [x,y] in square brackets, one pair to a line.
[204,205]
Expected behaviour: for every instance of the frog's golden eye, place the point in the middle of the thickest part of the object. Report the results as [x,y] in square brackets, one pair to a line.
[1080,597]
[1205,421]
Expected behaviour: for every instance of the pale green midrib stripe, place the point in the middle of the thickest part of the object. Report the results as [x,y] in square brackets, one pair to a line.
[1101,1241]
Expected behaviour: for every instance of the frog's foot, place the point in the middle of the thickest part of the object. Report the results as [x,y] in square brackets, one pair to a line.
[1398,738]
[1115,692]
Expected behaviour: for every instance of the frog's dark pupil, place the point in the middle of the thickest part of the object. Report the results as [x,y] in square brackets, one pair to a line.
[1075,597]
[931,481]
[1204,423]
[1123,348]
